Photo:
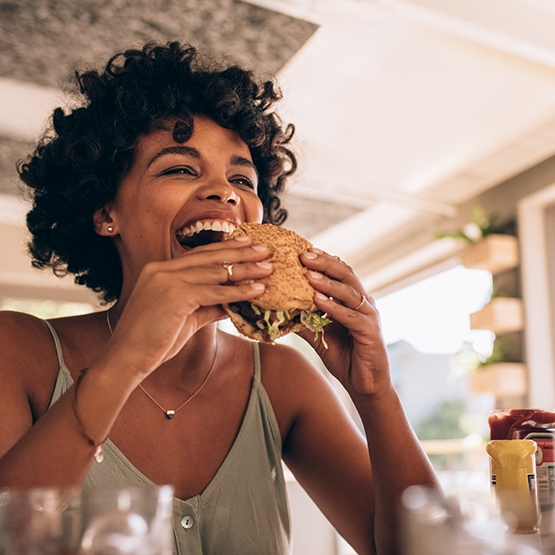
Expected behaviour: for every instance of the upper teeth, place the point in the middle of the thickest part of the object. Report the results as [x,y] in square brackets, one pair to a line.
[215,225]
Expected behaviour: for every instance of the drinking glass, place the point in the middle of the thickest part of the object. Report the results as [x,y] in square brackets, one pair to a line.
[126,521]
[41,521]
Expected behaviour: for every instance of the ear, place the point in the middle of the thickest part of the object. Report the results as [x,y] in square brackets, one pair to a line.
[103,222]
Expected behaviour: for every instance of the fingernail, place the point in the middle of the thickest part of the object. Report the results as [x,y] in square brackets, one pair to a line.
[320,296]
[310,255]
[258,286]
[264,265]
[243,238]
[317,251]
[315,275]
[260,248]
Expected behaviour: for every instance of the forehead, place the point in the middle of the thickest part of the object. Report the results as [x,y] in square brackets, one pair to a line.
[208,137]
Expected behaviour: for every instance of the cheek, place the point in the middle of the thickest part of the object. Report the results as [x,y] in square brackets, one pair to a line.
[254,209]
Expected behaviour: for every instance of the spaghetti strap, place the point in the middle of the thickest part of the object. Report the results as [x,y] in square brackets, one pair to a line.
[59,351]
[256,357]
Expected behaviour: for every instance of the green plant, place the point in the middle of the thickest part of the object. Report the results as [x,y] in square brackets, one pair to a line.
[480,226]
[497,355]
[504,350]
[444,423]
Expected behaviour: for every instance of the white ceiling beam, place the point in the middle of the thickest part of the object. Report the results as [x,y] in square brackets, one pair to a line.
[353,235]
[25,108]
[298,9]
[425,262]
[12,210]
[366,196]
[321,12]
[514,26]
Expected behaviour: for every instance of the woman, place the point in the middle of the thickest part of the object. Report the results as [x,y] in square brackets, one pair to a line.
[164,140]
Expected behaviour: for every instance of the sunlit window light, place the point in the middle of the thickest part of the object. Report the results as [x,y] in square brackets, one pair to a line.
[46,308]
[433,315]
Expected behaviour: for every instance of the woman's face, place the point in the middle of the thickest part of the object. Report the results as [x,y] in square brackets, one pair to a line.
[176,196]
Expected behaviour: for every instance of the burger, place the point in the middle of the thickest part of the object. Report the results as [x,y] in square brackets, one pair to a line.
[287,302]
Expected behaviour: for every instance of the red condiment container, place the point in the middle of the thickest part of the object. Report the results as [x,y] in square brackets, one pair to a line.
[539,426]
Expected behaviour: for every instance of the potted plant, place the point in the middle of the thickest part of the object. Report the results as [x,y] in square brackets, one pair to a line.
[500,374]
[501,315]
[485,250]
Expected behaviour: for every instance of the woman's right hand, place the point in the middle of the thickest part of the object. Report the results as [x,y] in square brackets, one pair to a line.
[173,299]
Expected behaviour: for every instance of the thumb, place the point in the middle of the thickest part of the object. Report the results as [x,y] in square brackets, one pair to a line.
[210,314]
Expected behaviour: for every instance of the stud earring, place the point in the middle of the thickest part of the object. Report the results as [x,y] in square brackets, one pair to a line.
[110,229]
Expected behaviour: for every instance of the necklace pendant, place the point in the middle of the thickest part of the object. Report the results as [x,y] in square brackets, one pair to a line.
[98,454]
[170,414]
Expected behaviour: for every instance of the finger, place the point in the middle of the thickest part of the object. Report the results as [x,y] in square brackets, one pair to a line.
[222,251]
[333,266]
[366,320]
[215,256]
[223,294]
[202,296]
[226,272]
[351,297]
[244,271]
[209,314]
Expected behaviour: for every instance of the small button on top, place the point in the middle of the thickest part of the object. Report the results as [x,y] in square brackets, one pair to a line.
[187,522]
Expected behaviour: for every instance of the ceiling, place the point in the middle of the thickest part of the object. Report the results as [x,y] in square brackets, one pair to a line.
[404,109]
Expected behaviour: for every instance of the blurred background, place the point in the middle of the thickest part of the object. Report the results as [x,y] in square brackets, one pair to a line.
[426,139]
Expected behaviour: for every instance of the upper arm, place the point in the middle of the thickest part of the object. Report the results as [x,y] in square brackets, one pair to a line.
[22,371]
[322,446]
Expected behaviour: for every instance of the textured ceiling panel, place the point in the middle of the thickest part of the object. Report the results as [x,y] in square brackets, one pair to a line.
[42,41]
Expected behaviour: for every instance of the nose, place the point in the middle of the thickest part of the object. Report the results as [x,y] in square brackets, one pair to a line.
[219,190]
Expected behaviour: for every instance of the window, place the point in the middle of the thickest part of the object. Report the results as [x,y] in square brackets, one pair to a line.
[432,352]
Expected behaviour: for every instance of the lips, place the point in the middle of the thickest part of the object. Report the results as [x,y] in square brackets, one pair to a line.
[204,232]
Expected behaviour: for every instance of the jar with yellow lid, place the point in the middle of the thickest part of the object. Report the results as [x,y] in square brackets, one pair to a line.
[513,477]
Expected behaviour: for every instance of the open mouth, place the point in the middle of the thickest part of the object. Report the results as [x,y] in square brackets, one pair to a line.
[204,233]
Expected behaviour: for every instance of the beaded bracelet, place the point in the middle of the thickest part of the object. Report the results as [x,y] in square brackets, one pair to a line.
[98,454]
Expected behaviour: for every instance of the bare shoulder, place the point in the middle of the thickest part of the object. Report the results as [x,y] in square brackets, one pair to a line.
[294,385]
[27,349]
[283,364]
[28,371]
[21,334]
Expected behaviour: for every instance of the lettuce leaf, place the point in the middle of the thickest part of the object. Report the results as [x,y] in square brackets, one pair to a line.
[315,321]
[271,320]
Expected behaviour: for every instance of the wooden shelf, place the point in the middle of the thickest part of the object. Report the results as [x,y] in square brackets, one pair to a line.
[501,315]
[495,253]
[504,379]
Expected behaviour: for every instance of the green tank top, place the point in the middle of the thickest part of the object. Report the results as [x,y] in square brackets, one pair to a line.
[244,510]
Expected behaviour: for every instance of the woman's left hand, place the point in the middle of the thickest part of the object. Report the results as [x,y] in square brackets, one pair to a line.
[356,354]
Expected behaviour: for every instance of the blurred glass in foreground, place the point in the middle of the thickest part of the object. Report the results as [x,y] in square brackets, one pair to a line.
[436,525]
[70,521]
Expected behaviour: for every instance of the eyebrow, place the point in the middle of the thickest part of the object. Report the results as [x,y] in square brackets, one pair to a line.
[193,152]
[240,161]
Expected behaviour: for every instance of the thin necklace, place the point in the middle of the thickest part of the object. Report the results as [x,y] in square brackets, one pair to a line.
[171,412]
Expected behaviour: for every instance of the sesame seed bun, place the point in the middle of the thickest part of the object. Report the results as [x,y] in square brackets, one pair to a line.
[287,288]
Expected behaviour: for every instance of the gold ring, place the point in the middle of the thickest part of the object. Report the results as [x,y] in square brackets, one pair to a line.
[362,301]
[229,267]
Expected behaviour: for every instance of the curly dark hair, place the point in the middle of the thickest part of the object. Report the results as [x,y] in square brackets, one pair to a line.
[76,168]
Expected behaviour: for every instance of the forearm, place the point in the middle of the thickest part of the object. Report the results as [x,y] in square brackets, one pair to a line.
[55,451]
[398,461]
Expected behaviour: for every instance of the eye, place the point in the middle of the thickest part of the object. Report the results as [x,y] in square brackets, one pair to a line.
[244,181]
[178,170]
